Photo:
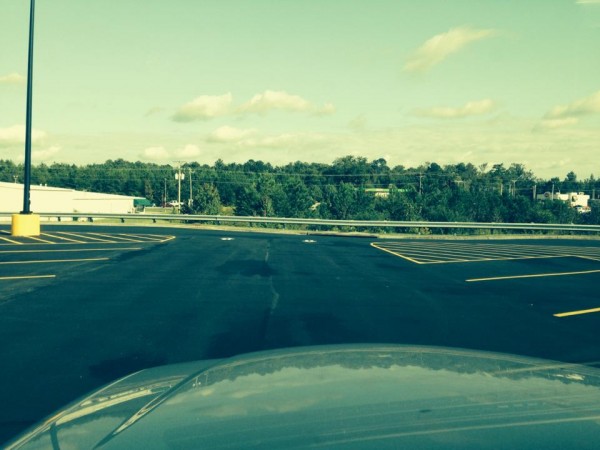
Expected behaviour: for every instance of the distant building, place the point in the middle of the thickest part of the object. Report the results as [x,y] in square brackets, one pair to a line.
[378,192]
[45,199]
[577,200]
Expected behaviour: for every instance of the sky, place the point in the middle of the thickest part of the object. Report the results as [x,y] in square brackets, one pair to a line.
[446,81]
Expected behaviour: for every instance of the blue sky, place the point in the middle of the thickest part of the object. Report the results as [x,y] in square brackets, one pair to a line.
[410,81]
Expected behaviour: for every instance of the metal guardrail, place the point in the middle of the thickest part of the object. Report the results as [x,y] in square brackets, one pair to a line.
[323,222]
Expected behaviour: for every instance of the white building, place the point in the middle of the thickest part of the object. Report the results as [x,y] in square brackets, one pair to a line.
[46,199]
[575,199]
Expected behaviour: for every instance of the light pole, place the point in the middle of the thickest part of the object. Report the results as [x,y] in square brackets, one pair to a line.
[191,199]
[26,223]
[179,176]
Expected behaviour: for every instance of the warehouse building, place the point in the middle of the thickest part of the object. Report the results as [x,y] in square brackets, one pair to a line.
[45,199]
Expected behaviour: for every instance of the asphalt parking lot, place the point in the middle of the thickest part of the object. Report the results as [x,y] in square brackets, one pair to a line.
[83,305]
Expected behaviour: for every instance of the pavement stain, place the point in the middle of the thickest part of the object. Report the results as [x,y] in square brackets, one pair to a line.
[247,268]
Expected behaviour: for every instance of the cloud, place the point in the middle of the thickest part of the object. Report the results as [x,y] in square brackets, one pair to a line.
[15,135]
[269,100]
[204,107]
[280,100]
[583,107]
[230,134]
[558,123]
[440,46]
[12,78]
[588,2]
[475,108]
[208,107]
[188,151]
[44,155]
[156,154]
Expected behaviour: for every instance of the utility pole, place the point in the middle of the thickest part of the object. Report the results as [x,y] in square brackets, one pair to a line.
[534,190]
[16,178]
[165,195]
[552,191]
[420,183]
[191,199]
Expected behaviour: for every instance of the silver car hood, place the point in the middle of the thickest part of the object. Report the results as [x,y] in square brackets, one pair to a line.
[372,396]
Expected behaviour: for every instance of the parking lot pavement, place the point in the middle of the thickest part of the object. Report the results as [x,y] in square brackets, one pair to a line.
[31,262]
[186,294]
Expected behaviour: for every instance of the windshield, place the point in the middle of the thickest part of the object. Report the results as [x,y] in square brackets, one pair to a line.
[222,177]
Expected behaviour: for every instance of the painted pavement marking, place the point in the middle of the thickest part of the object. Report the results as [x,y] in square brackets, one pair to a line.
[52,261]
[26,277]
[428,252]
[535,275]
[577,313]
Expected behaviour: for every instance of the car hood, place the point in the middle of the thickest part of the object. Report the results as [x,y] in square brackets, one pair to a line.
[375,396]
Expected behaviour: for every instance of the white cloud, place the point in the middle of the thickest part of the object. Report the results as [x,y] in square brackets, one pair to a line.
[188,151]
[230,134]
[156,154]
[440,46]
[15,135]
[45,154]
[583,107]
[326,110]
[204,107]
[558,123]
[208,107]
[475,108]
[269,100]
[280,100]
[12,78]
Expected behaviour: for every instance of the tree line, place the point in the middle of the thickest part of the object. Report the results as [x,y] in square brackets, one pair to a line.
[349,188]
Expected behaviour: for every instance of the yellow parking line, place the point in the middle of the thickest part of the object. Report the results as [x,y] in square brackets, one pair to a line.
[40,240]
[588,257]
[72,250]
[11,241]
[63,238]
[153,237]
[46,261]
[27,277]
[537,275]
[116,236]
[395,254]
[576,313]
[85,237]
[495,259]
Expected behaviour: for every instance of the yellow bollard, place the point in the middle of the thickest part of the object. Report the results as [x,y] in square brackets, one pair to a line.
[25,225]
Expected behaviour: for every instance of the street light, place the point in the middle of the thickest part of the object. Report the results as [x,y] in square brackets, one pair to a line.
[26,223]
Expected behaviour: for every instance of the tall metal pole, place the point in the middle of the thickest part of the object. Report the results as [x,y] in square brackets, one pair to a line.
[191,199]
[179,189]
[27,178]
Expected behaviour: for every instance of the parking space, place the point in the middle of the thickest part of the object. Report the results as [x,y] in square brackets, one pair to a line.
[568,259]
[443,251]
[28,262]
[81,237]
